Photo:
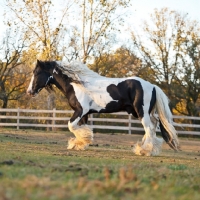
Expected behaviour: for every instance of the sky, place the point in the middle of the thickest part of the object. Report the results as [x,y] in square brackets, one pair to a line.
[141,9]
[144,7]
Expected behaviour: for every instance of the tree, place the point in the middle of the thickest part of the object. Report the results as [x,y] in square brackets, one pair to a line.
[44,28]
[99,22]
[191,60]
[96,25]
[121,63]
[165,50]
[13,72]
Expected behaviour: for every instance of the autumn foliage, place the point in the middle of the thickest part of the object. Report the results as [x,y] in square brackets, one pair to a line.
[165,52]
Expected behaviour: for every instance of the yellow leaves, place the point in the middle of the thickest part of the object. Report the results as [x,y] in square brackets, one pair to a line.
[180,106]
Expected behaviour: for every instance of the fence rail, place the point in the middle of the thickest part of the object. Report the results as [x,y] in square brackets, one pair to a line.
[26,118]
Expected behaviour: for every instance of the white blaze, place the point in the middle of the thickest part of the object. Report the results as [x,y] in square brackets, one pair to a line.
[30,85]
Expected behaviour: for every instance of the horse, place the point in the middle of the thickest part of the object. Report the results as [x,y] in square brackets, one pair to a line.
[88,92]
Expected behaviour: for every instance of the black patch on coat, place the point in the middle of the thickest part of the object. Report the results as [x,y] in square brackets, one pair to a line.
[127,96]
[153,100]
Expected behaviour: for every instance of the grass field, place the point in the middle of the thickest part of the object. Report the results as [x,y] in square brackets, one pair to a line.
[37,165]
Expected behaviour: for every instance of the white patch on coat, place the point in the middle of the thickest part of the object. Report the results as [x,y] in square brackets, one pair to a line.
[95,91]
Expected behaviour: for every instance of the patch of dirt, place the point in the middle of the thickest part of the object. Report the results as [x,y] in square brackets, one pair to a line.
[114,141]
[187,144]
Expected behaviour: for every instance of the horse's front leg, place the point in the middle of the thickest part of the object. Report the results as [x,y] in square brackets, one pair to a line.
[83,133]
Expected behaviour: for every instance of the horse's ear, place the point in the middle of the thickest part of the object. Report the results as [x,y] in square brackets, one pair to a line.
[39,63]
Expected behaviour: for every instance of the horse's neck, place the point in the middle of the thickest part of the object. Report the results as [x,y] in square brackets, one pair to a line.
[62,84]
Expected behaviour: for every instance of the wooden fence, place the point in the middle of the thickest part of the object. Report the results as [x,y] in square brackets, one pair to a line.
[58,119]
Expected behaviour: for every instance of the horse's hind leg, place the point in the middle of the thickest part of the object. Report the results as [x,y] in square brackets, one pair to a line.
[83,133]
[157,142]
[151,145]
[144,148]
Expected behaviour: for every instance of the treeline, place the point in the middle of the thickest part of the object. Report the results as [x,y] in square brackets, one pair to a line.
[166,51]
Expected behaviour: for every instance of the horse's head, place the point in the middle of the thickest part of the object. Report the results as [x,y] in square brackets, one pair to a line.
[41,78]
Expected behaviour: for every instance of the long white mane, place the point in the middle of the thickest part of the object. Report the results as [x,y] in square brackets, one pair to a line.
[77,70]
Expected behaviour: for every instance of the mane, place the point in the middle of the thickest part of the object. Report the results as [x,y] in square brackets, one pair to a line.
[77,71]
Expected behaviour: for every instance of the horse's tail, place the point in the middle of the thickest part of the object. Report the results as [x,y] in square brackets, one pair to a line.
[168,131]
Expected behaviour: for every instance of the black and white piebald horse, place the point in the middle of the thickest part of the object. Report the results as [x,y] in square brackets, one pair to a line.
[88,92]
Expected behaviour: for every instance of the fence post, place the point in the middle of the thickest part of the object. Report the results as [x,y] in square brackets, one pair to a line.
[129,124]
[91,121]
[53,120]
[18,114]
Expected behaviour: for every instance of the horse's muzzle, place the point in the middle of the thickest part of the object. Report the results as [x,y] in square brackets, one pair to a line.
[30,93]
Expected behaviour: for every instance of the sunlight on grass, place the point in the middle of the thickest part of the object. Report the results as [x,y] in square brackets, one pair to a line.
[37,168]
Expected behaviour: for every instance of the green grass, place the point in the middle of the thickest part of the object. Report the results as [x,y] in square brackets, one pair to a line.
[38,166]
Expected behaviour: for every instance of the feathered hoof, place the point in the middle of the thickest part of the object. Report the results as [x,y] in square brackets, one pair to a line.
[146,150]
[138,150]
[75,144]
